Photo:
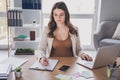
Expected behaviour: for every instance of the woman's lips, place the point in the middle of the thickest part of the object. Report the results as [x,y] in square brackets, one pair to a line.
[58,20]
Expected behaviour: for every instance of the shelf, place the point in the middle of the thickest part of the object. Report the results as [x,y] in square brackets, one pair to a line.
[28,26]
[27,16]
[31,26]
[23,45]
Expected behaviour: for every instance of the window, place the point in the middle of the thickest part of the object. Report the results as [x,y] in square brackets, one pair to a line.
[3,28]
[3,25]
[82,15]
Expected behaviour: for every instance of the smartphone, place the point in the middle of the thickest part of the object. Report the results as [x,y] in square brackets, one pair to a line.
[63,68]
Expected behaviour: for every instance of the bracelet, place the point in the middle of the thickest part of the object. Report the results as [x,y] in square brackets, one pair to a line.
[81,54]
[40,58]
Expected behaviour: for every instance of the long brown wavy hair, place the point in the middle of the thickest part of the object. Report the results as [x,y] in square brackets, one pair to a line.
[52,24]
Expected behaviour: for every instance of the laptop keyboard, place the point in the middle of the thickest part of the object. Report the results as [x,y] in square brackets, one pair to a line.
[85,63]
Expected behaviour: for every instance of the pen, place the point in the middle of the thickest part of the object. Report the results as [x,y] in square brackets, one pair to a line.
[47,60]
[114,64]
[114,68]
[111,69]
[108,70]
[109,66]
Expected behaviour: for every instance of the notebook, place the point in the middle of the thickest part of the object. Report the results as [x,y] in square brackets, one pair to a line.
[104,56]
[50,67]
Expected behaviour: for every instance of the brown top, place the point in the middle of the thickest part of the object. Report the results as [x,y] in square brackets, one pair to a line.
[62,48]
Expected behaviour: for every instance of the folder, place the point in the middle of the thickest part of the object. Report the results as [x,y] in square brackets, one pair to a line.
[17,18]
[11,18]
[14,18]
[5,70]
[8,14]
[20,19]
[52,64]
[30,4]
[35,4]
[24,4]
[39,4]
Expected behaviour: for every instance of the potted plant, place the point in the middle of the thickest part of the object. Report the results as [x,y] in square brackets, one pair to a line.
[18,72]
[26,51]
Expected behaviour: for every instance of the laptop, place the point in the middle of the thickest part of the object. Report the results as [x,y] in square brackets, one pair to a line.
[103,56]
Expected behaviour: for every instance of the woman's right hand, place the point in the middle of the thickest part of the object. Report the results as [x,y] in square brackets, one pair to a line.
[44,61]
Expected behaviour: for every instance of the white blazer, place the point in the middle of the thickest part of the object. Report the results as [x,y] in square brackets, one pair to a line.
[46,44]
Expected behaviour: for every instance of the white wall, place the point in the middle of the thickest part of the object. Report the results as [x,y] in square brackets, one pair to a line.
[110,10]
[30,14]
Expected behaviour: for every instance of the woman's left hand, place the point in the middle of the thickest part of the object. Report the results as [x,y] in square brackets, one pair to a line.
[86,57]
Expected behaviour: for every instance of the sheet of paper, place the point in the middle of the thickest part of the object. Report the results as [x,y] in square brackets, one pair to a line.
[50,67]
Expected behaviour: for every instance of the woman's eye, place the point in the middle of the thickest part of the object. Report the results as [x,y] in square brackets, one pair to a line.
[58,15]
[55,14]
[62,15]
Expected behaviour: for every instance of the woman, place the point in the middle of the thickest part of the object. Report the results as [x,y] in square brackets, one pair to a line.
[60,38]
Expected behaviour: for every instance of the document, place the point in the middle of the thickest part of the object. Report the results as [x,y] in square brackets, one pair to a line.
[50,67]
[5,70]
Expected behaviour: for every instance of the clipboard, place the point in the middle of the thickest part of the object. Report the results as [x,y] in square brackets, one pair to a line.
[50,67]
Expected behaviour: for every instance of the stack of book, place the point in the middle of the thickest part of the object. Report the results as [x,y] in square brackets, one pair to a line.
[20,38]
[5,71]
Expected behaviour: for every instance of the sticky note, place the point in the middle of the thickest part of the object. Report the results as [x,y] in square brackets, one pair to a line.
[66,77]
[63,77]
[59,76]
[77,74]
[86,74]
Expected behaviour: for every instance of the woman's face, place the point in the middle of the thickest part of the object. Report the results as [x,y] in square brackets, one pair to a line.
[59,16]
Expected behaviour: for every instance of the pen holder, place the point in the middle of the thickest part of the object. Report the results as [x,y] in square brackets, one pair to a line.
[112,73]
[18,74]
[32,35]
